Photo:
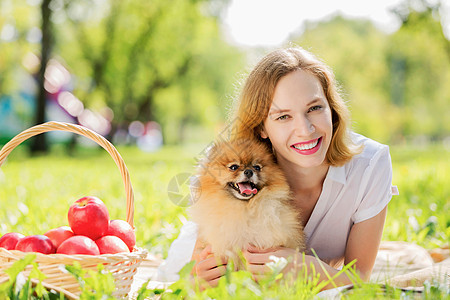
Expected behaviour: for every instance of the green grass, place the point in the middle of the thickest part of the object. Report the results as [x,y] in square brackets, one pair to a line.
[36,192]
[420,213]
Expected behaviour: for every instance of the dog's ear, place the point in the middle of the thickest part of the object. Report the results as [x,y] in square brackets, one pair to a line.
[214,150]
[221,148]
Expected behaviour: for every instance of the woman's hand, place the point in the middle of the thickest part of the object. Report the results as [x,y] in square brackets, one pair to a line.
[208,268]
[258,258]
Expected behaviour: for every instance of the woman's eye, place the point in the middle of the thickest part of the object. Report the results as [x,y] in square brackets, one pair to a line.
[233,167]
[257,168]
[316,107]
[283,117]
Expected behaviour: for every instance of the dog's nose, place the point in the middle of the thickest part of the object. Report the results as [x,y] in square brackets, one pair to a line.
[248,173]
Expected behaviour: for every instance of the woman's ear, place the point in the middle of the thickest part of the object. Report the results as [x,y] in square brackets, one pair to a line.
[263,133]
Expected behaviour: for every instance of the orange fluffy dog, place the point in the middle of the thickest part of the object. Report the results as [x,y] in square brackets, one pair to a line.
[244,199]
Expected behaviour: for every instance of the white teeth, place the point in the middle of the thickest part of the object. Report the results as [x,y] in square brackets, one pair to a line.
[306,146]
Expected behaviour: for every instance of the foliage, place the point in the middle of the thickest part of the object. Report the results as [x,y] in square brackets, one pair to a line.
[418,83]
[20,288]
[143,60]
[97,284]
[146,76]
[93,284]
[234,285]
[240,285]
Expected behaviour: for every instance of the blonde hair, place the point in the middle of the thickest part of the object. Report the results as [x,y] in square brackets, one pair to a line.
[257,94]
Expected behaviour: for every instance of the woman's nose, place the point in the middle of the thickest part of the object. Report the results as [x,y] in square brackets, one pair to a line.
[303,126]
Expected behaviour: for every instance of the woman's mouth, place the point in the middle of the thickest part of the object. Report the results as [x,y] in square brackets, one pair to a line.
[309,147]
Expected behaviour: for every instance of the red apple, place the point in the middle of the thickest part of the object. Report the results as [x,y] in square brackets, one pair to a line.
[78,244]
[59,235]
[111,244]
[36,243]
[89,216]
[124,231]
[9,240]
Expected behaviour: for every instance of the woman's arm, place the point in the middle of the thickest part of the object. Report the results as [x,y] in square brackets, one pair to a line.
[362,245]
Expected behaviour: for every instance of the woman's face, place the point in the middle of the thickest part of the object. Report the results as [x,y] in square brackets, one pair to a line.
[299,123]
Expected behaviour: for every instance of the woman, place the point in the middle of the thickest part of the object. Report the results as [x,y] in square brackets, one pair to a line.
[341,181]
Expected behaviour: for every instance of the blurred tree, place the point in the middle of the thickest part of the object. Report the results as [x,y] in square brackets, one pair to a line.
[20,23]
[14,25]
[145,60]
[419,67]
[39,143]
[148,60]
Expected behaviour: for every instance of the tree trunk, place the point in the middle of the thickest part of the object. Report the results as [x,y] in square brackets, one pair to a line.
[39,143]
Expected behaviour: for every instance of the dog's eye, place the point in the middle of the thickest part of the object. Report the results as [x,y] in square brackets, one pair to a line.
[257,168]
[233,167]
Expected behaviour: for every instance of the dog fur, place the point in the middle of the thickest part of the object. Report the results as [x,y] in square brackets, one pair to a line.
[257,211]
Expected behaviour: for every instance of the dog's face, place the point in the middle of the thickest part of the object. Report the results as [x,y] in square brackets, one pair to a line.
[241,167]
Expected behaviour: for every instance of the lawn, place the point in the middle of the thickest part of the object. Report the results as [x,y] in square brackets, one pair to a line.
[36,192]
[420,213]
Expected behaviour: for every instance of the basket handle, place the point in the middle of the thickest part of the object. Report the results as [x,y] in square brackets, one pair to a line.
[52,126]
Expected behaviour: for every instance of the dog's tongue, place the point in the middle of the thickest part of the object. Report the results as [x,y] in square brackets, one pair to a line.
[245,188]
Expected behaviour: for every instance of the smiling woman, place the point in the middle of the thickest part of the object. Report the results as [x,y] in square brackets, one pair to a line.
[304,109]
[294,81]
[339,182]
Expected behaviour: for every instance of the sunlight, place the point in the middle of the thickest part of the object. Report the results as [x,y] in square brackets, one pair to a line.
[270,23]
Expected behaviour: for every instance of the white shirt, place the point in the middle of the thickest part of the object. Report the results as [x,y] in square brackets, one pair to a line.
[352,193]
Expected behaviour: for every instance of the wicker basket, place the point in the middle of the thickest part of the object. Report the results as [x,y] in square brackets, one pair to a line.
[123,266]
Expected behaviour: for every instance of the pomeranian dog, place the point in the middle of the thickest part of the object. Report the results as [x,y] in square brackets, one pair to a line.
[244,199]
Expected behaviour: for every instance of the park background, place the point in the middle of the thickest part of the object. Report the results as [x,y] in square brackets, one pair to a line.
[158,78]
